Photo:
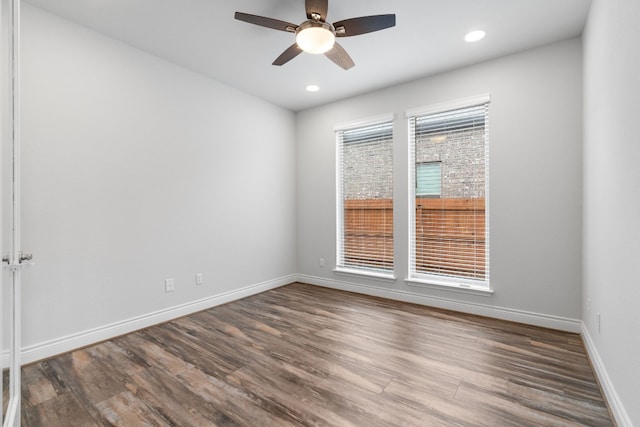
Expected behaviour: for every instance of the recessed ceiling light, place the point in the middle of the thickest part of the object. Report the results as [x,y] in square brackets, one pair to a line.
[313,88]
[474,36]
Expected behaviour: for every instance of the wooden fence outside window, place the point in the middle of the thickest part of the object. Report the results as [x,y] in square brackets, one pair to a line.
[450,235]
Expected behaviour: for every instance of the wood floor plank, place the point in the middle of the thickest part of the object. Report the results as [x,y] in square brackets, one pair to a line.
[302,355]
[125,409]
[37,388]
[244,406]
[89,378]
[61,411]
[501,406]
[439,406]
[289,394]
[152,353]
[583,411]
[5,390]
[88,382]
[174,402]
[118,358]
[375,409]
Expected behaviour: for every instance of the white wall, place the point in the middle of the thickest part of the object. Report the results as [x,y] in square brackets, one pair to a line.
[535,184]
[612,198]
[136,170]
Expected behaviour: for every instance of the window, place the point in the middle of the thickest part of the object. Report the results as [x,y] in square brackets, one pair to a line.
[449,239]
[428,179]
[365,197]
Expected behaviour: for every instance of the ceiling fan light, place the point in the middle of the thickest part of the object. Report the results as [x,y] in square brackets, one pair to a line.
[315,38]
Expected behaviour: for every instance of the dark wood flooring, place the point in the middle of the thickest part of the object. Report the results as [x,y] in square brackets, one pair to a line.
[304,356]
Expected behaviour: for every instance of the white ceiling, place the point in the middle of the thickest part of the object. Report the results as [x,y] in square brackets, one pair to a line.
[202,35]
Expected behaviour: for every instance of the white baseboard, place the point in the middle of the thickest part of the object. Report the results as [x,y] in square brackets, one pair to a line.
[536,319]
[619,413]
[67,343]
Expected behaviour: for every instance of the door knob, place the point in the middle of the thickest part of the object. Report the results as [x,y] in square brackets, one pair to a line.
[24,257]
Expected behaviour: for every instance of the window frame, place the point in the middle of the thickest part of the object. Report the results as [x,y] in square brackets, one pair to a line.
[340,266]
[433,280]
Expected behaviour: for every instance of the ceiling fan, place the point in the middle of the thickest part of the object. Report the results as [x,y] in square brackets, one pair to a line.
[316,36]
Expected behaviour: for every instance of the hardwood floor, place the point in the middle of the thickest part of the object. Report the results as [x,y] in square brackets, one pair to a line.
[303,356]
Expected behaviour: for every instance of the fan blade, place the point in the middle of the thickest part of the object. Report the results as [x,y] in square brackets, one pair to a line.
[266,22]
[317,6]
[340,56]
[286,56]
[363,25]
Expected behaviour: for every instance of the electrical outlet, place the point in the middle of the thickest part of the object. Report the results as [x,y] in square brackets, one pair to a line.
[199,279]
[169,285]
[321,262]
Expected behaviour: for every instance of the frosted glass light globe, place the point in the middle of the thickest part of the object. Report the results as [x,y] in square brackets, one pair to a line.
[316,37]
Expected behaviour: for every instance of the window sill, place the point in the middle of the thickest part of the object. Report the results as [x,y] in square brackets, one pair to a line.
[376,275]
[452,287]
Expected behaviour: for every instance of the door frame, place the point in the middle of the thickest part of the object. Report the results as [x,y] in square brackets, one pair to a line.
[10,26]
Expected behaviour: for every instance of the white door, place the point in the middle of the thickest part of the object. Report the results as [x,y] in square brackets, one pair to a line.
[13,260]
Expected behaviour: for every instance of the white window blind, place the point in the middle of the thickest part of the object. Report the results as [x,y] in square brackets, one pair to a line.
[449,235]
[365,197]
